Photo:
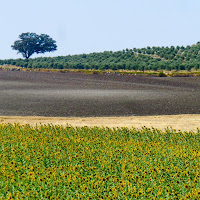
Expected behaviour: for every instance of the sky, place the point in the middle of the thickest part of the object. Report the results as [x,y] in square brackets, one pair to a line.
[87,26]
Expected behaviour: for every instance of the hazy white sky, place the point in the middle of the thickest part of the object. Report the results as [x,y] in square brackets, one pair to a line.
[85,26]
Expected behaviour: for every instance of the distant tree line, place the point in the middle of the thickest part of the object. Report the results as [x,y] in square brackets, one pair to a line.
[149,58]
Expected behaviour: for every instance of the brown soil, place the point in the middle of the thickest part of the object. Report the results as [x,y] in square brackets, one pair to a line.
[82,95]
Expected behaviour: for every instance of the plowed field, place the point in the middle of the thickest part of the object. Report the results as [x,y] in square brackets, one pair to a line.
[81,95]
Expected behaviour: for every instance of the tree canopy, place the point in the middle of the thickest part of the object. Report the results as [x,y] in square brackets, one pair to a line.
[31,43]
[149,58]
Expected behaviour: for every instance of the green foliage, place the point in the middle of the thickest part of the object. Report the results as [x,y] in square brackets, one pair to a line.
[150,58]
[31,43]
[56,162]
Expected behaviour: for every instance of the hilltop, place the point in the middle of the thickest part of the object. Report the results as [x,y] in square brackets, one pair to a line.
[149,58]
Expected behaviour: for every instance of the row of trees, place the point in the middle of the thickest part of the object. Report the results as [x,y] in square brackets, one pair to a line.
[150,58]
[172,53]
[106,60]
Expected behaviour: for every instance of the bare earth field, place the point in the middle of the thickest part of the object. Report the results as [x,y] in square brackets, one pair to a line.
[82,99]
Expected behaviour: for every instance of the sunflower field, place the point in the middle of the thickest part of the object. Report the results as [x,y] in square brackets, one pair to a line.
[56,162]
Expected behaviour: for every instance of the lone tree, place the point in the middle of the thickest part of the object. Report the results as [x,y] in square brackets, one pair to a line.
[31,43]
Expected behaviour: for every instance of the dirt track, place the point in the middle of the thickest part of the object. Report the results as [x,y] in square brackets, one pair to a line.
[80,95]
[178,122]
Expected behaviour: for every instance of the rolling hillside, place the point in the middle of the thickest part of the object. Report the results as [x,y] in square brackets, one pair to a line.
[149,58]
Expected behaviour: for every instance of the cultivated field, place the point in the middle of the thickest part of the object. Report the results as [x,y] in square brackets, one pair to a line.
[82,95]
[53,162]
[64,162]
